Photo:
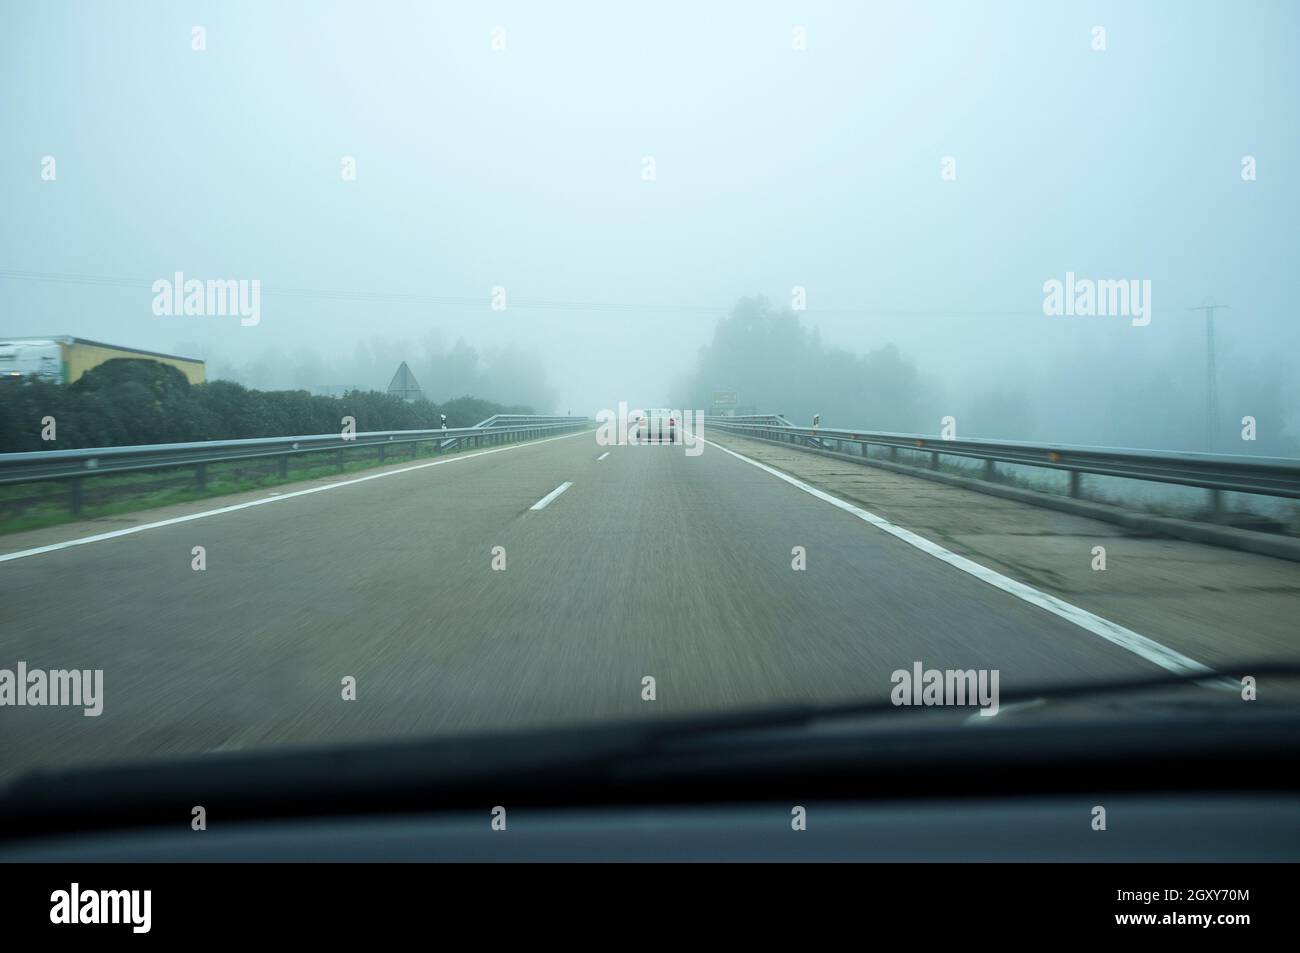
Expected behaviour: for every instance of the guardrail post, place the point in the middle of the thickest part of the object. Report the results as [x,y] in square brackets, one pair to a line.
[989,471]
[284,467]
[934,459]
[893,454]
[382,448]
[201,476]
[1216,504]
[74,496]
[338,459]
[1075,483]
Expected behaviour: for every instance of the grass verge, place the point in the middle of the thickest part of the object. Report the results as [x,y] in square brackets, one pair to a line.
[29,506]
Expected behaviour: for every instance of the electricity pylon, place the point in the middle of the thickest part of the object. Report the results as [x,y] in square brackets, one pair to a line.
[1211,375]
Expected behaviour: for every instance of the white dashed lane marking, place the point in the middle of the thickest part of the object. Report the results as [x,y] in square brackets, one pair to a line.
[545,501]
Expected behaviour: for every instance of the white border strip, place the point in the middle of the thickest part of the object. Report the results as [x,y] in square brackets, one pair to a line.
[1140,645]
[54,547]
[546,500]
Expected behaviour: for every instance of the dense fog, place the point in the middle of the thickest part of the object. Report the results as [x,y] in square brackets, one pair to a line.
[854,210]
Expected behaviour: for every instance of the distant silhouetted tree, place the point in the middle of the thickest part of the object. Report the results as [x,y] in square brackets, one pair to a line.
[778,365]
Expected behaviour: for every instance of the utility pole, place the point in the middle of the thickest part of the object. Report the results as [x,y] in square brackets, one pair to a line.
[1211,375]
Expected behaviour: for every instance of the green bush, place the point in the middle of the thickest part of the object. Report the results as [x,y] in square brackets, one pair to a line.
[125,401]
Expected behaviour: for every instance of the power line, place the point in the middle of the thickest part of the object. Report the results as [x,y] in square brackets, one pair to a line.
[531,304]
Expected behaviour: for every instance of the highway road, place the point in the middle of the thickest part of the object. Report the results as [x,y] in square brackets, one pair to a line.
[650,562]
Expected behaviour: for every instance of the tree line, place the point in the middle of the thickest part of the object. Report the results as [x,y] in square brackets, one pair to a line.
[124,402]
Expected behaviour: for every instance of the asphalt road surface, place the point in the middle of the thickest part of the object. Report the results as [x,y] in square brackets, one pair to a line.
[650,563]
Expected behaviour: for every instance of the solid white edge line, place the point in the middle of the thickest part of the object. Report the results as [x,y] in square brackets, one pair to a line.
[54,547]
[544,501]
[1140,645]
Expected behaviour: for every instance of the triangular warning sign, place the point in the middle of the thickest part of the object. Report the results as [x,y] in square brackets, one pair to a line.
[404,384]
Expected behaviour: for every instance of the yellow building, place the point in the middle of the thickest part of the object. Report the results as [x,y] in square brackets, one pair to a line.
[64,358]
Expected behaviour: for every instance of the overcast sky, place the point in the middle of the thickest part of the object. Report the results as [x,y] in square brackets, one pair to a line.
[775,167]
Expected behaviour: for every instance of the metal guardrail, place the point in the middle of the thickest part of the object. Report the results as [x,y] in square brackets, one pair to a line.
[511,420]
[501,421]
[1216,472]
[772,420]
[78,465]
